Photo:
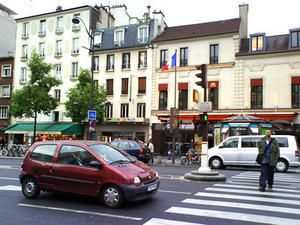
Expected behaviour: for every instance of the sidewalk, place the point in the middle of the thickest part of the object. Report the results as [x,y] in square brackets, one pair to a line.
[165,161]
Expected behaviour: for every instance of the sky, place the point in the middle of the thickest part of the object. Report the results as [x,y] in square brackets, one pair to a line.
[269,16]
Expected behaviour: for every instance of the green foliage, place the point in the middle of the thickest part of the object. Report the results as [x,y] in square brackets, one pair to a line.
[78,102]
[34,97]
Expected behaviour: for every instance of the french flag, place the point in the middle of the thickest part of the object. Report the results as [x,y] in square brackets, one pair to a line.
[171,63]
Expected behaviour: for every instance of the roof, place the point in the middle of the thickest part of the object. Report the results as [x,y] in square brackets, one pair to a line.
[199,30]
[274,44]
[8,10]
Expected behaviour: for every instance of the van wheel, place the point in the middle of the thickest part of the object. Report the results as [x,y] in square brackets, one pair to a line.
[112,196]
[282,165]
[216,163]
[30,188]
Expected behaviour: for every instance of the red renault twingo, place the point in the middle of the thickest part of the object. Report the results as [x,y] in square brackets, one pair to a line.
[88,168]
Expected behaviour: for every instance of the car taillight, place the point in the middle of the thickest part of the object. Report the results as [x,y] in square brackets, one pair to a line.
[141,151]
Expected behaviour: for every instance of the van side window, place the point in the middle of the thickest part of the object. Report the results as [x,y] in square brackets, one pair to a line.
[43,153]
[250,142]
[76,156]
[231,143]
[282,142]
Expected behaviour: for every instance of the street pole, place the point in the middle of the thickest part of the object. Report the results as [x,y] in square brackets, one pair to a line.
[92,79]
[175,116]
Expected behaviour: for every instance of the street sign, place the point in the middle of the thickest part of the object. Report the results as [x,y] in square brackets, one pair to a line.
[93,124]
[92,115]
[205,107]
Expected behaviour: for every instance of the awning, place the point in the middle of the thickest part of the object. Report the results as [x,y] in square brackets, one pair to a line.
[46,128]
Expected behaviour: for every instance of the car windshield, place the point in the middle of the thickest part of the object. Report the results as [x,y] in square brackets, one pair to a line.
[112,155]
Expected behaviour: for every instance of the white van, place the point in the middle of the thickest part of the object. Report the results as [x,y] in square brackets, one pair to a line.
[242,150]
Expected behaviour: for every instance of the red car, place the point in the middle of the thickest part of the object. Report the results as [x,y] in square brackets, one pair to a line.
[88,168]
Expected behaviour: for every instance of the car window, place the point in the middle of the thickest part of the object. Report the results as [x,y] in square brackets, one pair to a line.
[282,142]
[231,143]
[133,145]
[75,155]
[124,144]
[115,143]
[250,142]
[43,153]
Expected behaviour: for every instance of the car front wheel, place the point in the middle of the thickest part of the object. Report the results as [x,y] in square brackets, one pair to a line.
[112,196]
[30,188]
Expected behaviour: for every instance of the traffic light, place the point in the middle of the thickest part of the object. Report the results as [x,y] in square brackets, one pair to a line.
[204,117]
[201,75]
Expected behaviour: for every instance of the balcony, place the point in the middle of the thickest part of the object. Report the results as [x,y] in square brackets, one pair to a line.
[119,43]
[58,54]
[23,81]
[25,36]
[59,30]
[24,58]
[75,52]
[42,33]
[75,27]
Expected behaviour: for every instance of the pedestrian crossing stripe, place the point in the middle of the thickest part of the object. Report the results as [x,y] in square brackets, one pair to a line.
[256,178]
[286,186]
[233,216]
[276,178]
[10,188]
[156,221]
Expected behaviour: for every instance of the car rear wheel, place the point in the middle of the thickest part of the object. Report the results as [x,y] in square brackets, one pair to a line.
[112,196]
[282,165]
[216,163]
[30,188]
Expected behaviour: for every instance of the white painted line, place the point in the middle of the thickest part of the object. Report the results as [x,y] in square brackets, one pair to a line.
[156,221]
[248,198]
[8,167]
[275,180]
[275,177]
[8,178]
[243,206]
[80,212]
[176,192]
[254,188]
[170,177]
[267,193]
[287,186]
[233,216]
[10,188]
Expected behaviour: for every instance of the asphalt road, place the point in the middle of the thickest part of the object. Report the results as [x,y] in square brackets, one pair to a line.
[178,202]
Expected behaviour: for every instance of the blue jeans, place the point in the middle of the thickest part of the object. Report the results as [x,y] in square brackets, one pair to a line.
[266,174]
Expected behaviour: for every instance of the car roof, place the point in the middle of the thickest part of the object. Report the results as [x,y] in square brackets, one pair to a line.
[82,142]
[255,136]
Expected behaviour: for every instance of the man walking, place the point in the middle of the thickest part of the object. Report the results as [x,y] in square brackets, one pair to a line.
[151,147]
[268,148]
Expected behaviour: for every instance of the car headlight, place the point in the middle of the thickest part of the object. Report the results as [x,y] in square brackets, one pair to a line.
[137,181]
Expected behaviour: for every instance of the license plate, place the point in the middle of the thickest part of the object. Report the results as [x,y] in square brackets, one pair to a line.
[152,187]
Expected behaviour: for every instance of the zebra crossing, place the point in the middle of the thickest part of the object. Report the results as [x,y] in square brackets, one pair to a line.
[239,200]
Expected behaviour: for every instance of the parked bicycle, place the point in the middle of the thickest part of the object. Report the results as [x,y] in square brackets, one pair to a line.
[191,158]
[13,150]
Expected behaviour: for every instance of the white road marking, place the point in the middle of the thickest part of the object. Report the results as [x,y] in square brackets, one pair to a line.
[253,187]
[275,180]
[267,193]
[249,198]
[233,216]
[286,186]
[8,178]
[176,192]
[8,167]
[80,212]
[156,221]
[10,188]
[243,206]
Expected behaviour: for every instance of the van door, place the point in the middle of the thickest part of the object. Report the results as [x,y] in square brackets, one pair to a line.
[228,150]
[248,151]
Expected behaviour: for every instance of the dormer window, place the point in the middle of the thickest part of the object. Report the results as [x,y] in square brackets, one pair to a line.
[98,39]
[257,42]
[119,37]
[143,34]
[295,38]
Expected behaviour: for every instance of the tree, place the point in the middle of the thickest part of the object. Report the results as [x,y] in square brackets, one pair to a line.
[34,97]
[79,98]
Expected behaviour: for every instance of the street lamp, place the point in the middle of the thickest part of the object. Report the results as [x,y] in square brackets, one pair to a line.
[76,20]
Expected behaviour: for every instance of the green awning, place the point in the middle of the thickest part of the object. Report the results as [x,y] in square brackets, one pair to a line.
[46,128]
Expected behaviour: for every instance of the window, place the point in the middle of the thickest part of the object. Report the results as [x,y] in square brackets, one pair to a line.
[98,39]
[295,92]
[163,57]
[109,111]
[214,54]
[124,86]
[55,116]
[110,62]
[76,156]
[6,70]
[23,77]
[124,110]
[58,48]
[74,70]
[295,42]
[5,91]
[141,110]
[25,32]
[42,49]
[42,31]
[24,51]
[76,46]
[163,99]
[257,43]
[119,37]
[142,59]
[213,94]
[3,112]
[231,143]
[43,153]
[59,24]
[143,34]
[57,95]
[57,71]
[256,94]
[109,86]
[183,57]
[142,85]
[282,142]
[183,99]
[250,142]
[125,60]
[96,63]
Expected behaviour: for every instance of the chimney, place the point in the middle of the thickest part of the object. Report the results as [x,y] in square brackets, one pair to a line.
[59,8]
[243,10]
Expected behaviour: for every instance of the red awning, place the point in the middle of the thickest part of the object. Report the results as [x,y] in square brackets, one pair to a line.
[163,87]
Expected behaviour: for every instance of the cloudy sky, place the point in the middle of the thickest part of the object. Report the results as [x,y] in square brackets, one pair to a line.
[270,16]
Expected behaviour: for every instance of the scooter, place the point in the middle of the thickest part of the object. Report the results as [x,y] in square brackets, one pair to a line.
[191,158]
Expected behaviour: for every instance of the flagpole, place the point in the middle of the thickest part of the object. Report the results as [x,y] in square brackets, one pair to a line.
[175,81]
[175,95]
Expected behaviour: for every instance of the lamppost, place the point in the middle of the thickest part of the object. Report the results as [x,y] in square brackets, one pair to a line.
[76,20]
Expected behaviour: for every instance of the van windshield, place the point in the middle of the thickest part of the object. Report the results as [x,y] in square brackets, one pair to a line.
[111,154]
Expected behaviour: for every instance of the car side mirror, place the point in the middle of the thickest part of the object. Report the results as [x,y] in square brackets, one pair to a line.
[96,164]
